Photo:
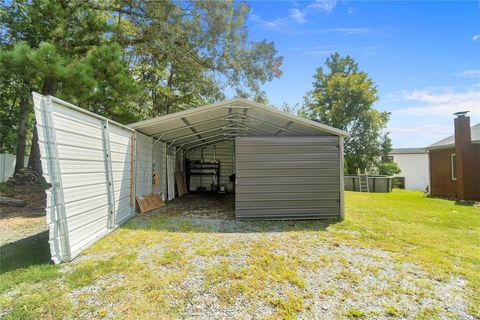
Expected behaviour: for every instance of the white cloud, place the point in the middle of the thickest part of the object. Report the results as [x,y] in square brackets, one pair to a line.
[349,31]
[297,15]
[326,5]
[268,24]
[470,73]
[329,49]
[476,37]
[441,104]
[344,31]
[420,135]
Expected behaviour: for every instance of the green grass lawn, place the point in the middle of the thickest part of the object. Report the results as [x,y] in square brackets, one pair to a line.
[438,235]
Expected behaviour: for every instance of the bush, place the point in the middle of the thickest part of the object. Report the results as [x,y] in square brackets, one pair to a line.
[388,169]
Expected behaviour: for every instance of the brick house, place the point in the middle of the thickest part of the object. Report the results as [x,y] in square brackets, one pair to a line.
[455,162]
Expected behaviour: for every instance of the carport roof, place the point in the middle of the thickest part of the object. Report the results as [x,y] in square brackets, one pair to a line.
[225,120]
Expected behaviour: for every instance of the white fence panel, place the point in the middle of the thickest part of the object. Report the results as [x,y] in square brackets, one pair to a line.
[7,165]
[87,159]
[143,171]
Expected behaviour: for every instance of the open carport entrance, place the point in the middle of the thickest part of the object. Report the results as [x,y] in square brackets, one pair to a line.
[285,167]
[279,166]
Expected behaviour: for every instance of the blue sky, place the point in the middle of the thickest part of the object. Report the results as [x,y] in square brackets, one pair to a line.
[423,56]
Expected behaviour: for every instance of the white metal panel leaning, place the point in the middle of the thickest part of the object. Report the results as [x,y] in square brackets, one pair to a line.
[87,160]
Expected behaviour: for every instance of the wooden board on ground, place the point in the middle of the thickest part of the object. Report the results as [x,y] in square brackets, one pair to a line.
[4,201]
[150,202]
[181,183]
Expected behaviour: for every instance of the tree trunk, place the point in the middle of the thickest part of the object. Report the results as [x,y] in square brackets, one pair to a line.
[34,161]
[22,133]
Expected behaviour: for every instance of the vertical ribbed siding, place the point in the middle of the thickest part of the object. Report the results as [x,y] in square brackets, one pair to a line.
[287,178]
[80,159]
[121,162]
[143,169]
[224,153]
[171,165]
[160,168]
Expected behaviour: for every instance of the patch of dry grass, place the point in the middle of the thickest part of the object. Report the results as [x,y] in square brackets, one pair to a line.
[156,266]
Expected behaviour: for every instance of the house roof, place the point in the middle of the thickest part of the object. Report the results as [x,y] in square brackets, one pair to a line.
[408,151]
[223,121]
[450,141]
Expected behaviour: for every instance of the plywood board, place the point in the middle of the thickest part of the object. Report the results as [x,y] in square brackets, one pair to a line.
[150,202]
[181,183]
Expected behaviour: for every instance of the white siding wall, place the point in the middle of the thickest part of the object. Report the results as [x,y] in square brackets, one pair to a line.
[121,158]
[170,174]
[86,159]
[159,168]
[143,177]
[415,170]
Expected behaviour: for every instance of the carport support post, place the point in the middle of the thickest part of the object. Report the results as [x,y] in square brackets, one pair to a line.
[342,181]
[58,202]
[108,172]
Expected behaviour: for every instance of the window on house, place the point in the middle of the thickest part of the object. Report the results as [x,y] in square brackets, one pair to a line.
[453,166]
[387,159]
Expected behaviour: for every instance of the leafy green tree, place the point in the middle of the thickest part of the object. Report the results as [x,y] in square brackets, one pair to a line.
[343,97]
[386,144]
[388,168]
[126,60]
[292,109]
[16,78]
[186,53]
[65,49]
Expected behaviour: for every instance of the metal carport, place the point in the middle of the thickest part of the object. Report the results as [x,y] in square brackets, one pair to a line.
[286,167]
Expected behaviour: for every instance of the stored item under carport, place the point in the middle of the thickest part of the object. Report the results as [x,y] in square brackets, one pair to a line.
[150,202]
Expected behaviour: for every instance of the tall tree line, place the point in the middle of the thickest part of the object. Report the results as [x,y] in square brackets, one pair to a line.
[124,59]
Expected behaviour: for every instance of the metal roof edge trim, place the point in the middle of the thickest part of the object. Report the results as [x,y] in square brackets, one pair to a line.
[247,103]
[76,108]
[445,146]
[314,124]
[180,114]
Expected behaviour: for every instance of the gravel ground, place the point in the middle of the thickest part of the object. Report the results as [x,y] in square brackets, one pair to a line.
[338,281]
[227,269]
[353,279]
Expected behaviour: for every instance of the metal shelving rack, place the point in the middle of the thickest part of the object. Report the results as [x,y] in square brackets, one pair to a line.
[198,168]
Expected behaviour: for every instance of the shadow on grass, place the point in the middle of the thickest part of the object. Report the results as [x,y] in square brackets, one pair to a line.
[465,203]
[26,252]
[214,213]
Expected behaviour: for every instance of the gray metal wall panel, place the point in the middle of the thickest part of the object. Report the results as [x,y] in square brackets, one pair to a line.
[287,178]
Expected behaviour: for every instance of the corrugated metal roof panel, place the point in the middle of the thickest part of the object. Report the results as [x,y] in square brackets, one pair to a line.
[244,116]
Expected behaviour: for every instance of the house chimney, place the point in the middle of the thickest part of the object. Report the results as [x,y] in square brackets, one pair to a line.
[463,147]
